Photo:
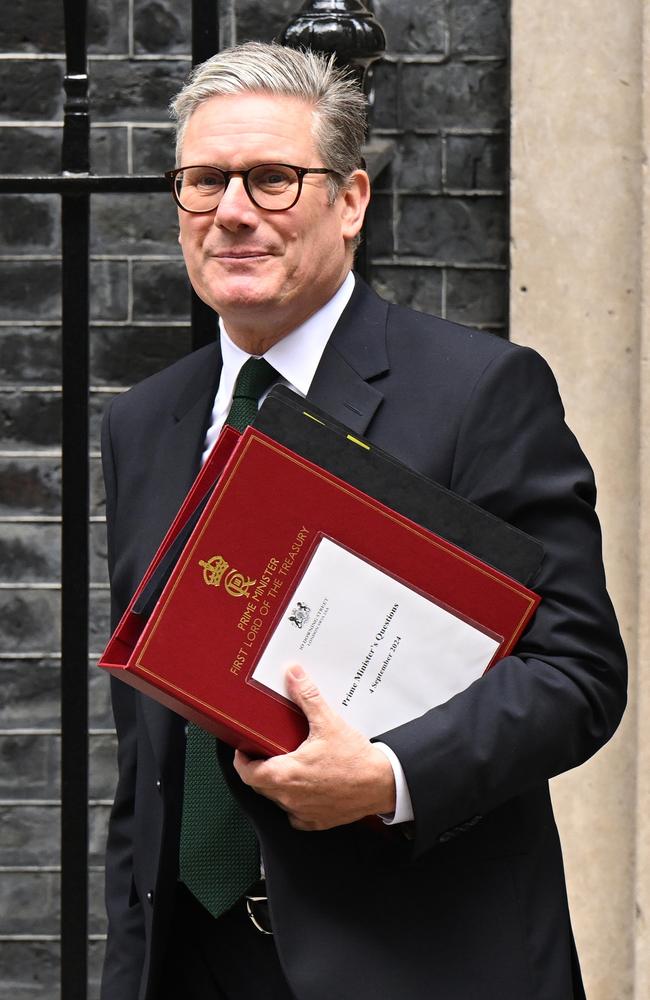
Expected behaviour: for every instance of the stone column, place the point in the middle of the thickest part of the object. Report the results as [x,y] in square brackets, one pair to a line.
[576,296]
[642,881]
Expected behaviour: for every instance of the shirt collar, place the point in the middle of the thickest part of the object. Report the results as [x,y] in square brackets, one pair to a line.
[297,356]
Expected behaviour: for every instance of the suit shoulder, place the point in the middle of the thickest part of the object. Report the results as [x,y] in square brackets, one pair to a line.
[433,335]
[162,390]
[458,350]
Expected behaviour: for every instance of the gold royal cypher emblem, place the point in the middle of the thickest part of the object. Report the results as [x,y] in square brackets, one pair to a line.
[235,583]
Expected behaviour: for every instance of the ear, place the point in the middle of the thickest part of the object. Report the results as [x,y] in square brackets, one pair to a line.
[354,201]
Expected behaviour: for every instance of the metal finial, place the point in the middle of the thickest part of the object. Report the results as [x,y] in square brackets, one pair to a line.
[344,27]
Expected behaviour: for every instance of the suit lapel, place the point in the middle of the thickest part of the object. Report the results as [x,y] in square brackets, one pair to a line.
[181,447]
[355,353]
[191,414]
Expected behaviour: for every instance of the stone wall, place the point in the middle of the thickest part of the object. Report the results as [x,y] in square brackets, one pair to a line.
[438,240]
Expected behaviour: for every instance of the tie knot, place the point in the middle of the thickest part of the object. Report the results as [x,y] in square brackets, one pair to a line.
[254,378]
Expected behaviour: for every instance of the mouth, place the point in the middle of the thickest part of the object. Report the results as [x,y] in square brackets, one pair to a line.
[241,254]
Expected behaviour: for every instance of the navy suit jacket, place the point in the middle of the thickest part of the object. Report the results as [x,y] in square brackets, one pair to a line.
[455,908]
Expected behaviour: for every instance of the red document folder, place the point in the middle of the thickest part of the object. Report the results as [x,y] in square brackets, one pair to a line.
[238,573]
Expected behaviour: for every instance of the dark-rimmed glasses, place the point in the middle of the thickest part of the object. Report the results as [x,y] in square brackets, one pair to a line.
[274,187]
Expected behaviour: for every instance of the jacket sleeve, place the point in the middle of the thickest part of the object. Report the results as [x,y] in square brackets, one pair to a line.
[125,942]
[559,697]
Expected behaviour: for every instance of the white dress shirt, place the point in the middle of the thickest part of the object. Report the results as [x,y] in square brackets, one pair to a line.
[296,358]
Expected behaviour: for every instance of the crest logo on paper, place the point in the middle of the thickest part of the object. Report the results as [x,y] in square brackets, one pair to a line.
[299,615]
[234,582]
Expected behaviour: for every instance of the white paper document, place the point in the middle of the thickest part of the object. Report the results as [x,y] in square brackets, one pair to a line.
[380,652]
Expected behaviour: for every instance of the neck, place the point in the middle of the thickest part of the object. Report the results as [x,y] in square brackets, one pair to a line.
[257,331]
[257,339]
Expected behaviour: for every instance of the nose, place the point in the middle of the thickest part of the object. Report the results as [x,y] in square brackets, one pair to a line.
[235,210]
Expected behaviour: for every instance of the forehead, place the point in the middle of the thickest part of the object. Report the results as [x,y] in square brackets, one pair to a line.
[240,129]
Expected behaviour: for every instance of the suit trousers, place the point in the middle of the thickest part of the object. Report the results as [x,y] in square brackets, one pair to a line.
[220,959]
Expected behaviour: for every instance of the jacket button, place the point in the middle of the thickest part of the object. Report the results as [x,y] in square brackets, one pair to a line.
[159,785]
[150,896]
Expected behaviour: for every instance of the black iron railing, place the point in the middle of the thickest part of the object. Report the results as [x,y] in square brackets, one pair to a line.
[342,26]
[75,247]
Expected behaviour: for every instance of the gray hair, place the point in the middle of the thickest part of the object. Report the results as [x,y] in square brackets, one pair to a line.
[339,105]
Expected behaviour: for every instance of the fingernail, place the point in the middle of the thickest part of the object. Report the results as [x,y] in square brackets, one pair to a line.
[296,672]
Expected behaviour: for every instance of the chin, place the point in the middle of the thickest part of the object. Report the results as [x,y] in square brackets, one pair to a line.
[244,284]
[243,294]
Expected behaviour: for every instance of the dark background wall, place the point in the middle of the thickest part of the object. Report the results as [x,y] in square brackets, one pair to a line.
[438,240]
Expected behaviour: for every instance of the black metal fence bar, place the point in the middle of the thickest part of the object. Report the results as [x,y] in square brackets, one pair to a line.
[205,30]
[205,42]
[75,226]
[74,598]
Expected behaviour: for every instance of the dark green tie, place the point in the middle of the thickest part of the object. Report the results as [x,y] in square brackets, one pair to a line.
[219,856]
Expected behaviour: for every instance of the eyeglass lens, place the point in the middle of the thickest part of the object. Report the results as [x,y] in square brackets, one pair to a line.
[270,185]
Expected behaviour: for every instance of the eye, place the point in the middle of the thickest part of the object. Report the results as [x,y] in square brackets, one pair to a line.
[203,180]
[209,180]
[273,177]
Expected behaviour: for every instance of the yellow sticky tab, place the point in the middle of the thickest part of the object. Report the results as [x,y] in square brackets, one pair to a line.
[312,417]
[362,444]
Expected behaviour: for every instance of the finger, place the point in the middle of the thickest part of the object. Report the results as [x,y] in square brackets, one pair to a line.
[240,762]
[300,824]
[304,692]
[248,768]
[307,825]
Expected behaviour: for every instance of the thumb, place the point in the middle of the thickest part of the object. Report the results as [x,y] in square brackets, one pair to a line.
[303,691]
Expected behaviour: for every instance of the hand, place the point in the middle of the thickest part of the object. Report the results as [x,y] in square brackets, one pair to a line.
[336,776]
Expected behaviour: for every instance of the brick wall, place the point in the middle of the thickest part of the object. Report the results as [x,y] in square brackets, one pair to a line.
[437,238]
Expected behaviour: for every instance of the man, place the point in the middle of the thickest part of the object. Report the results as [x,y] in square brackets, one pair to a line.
[462,896]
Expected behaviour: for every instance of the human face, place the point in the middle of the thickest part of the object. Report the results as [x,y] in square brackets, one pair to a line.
[265,272]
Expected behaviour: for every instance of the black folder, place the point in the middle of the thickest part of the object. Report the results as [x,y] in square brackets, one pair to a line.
[310,432]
